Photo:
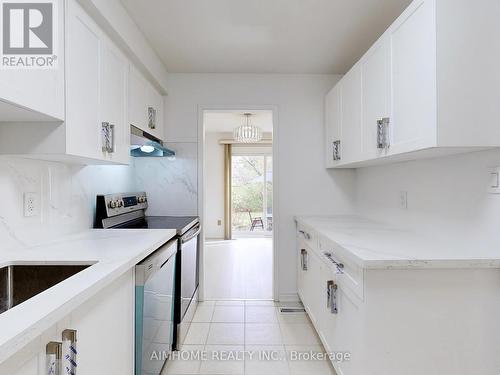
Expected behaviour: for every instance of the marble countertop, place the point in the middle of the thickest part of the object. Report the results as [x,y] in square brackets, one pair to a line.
[375,245]
[111,253]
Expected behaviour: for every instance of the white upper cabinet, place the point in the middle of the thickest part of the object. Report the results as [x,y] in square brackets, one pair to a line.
[85,103]
[35,94]
[343,120]
[413,74]
[350,116]
[145,104]
[83,74]
[429,87]
[333,127]
[113,103]
[96,92]
[376,99]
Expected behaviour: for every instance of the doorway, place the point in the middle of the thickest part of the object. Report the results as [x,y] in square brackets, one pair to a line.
[238,214]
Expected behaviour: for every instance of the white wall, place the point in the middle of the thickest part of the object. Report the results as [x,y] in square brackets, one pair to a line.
[67,195]
[214,185]
[305,186]
[447,197]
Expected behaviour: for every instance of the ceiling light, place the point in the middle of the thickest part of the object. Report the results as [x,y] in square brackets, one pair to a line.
[247,133]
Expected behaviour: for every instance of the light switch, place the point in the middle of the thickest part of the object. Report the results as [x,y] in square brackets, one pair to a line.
[494,181]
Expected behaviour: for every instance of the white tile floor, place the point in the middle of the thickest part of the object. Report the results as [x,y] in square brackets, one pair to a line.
[239,269]
[242,331]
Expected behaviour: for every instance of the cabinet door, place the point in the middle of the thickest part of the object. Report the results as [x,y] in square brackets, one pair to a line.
[143,95]
[326,318]
[332,126]
[83,39]
[137,99]
[351,116]
[40,90]
[301,270]
[155,101]
[375,96]
[413,75]
[311,283]
[114,72]
[105,330]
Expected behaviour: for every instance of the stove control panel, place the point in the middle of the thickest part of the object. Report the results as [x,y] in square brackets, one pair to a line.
[116,204]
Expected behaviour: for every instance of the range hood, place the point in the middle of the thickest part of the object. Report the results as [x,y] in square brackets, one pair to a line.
[143,144]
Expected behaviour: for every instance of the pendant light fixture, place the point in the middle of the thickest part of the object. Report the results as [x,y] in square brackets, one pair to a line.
[247,133]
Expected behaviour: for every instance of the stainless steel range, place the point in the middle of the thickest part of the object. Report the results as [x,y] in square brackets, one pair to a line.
[128,210]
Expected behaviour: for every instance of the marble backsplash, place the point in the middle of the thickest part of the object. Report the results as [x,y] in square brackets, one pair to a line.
[67,192]
[171,184]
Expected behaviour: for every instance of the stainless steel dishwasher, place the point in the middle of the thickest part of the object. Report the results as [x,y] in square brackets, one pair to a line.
[154,309]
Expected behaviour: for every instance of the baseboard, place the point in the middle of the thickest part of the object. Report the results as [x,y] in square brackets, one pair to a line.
[289,297]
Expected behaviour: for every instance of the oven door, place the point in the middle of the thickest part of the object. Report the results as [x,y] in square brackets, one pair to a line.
[189,267]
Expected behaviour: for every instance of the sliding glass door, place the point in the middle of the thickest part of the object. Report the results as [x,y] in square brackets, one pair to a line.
[252,194]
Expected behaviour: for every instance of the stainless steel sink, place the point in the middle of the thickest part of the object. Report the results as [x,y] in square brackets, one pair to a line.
[19,283]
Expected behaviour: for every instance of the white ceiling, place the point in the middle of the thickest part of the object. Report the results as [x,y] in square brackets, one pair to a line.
[262,36]
[227,121]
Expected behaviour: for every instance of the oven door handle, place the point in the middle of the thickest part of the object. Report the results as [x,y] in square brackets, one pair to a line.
[192,233]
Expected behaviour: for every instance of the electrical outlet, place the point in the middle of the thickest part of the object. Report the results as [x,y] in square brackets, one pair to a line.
[403,200]
[219,222]
[31,204]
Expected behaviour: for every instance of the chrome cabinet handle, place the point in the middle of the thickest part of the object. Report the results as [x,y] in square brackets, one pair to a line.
[108,137]
[151,117]
[340,266]
[306,235]
[303,259]
[383,133]
[329,285]
[70,352]
[53,352]
[336,150]
[333,298]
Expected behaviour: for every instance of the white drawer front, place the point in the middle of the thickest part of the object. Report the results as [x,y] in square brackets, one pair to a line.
[307,236]
[350,275]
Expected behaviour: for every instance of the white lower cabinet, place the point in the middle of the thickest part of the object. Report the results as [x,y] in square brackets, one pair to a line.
[393,321]
[309,274]
[105,335]
[105,326]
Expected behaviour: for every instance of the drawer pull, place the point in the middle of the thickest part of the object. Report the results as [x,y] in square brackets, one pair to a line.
[331,296]
[340,266]
[303,259]
[329,284]
[70,353]
[306,235]
[53,352]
